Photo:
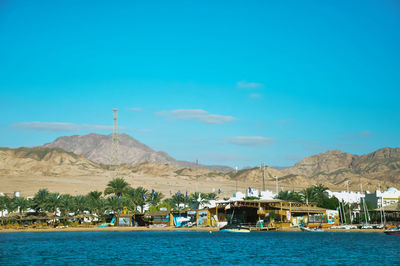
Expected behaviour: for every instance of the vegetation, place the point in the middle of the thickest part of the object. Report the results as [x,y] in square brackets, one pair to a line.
[117,194]
[315,194]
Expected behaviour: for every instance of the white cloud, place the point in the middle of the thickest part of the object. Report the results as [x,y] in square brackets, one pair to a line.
[248,85]
[136,109]
[286,121]
[58,126]
[366,134]
[250,140]
[196,114]
[255,95]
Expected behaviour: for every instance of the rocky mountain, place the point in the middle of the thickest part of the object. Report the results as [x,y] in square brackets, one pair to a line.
[41,161]
[98,148]
[28,169]
[336,167]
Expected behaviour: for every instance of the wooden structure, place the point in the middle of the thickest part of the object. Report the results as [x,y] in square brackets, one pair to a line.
[251,211]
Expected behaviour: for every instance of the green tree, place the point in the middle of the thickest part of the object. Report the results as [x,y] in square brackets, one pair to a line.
[196,199]
[22,205]
[40,200]
[155,198]
[289,195]
[94,202]
[307,194]
[211,196]
[66,205]
[114,204]
[80,204]
[52,204]
[176,201]
[117,186]
[141,197]
[10,205]
[3,206]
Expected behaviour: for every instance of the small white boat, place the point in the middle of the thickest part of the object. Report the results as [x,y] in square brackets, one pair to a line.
[235,229]
[308,229]
[367,226]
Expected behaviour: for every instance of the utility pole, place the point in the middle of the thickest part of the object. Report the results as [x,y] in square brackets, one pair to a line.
[262,167]
[236,169]
[276,183]
[348,193]
[115,143]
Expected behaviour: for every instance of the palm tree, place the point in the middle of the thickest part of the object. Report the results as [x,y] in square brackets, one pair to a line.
[66,204]
[93,201]
[10,205]
[3,206]
[155,198]
[307,194]
[129,199]
[80,204]
[211,196]
[114,204]
[176,200]
[140,197]
[40,200]
[116,186]
[22,205]
[289,195]
[196,199]
[52,204]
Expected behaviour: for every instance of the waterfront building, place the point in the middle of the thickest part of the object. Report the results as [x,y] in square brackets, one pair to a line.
[347,197]
[383,198]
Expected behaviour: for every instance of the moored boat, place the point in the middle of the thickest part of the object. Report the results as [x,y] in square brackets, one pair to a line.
[308,229]
[393,231]
[235,229]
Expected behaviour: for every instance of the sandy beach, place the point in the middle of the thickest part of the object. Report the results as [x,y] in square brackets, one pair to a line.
[127,229]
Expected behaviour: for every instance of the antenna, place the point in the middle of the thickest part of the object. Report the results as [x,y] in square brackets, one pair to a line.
[115,143]
[236,169]
[263,176]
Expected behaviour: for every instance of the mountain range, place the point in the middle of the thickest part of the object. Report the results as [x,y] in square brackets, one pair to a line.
[98,148]
[78,164]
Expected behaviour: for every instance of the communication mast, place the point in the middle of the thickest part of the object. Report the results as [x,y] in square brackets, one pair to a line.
[115,142]
[262,167]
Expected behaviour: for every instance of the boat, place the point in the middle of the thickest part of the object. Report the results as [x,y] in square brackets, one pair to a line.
[393,231]
[308,229]
[235,228]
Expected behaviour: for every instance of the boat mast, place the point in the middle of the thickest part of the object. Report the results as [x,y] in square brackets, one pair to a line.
[348,193]
[381,208]
[364,207]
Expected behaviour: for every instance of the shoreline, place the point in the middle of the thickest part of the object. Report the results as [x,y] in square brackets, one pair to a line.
[166,229]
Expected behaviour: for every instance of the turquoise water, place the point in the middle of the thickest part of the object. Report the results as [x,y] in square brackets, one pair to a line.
[172,248]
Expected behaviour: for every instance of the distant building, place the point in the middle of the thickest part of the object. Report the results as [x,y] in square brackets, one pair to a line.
[389,197]
[347,197]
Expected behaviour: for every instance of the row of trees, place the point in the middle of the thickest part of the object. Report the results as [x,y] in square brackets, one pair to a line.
[117,194]
[315,194]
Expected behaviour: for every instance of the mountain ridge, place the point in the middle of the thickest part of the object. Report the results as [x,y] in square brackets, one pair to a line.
[97,148]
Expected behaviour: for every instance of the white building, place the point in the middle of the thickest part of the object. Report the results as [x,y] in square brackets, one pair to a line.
[347,197]
[390,196]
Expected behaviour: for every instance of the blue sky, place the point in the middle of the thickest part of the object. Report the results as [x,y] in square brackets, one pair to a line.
[224,82]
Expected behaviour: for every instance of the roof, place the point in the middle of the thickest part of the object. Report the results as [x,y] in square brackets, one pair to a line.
[305,209]
[157,213]
[394,207]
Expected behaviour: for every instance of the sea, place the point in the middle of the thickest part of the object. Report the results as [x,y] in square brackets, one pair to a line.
[199,248]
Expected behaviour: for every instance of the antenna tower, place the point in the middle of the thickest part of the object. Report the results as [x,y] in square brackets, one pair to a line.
[262,167]
[115,143]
